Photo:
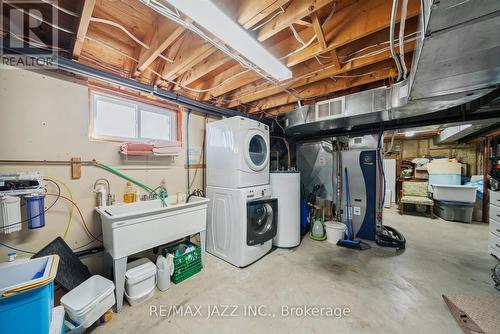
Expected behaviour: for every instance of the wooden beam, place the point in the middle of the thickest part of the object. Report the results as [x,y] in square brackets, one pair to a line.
[295,11]
[351,23]
[268,89]
[204,67]
[165,33]
[347,33]
[235,75]
[193,49]
[252,12]
[318,30]
[304,22]
[376,72]
[83,26]
[335,59]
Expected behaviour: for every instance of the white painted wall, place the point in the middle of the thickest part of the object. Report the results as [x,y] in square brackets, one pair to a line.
[45,118]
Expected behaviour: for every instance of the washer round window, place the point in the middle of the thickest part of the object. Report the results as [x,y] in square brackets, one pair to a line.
[257,150]
[262,219]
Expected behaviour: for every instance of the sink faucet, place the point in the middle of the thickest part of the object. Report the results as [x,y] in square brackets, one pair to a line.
[104,197]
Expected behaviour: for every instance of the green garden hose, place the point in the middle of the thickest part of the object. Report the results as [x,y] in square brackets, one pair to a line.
[161,195]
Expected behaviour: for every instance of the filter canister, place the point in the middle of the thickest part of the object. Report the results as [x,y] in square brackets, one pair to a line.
[35,211]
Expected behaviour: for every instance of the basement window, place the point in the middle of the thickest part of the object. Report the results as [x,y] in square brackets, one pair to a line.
[120,119]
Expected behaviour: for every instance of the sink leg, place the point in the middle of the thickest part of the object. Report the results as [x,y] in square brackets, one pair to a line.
[108,265]
[203,243]
[119,269]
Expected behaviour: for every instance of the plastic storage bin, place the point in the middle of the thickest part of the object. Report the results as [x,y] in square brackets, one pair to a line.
[27,293]
[140,280]
[89,300]
[455,211]
[187,264]
[454,193]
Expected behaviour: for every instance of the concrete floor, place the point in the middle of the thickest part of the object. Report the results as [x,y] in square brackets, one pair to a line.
[385,291]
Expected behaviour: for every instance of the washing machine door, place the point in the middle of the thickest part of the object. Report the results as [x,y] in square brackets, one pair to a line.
[262,223]
[257,151]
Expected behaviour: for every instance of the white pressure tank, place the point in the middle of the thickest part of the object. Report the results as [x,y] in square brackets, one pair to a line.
[285,186]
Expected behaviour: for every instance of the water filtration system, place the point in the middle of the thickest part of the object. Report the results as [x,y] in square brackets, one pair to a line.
[13,188]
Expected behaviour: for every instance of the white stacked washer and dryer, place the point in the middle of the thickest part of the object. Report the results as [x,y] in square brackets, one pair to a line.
[242,216]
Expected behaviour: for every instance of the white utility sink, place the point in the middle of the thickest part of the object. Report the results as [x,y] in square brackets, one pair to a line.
[131,228]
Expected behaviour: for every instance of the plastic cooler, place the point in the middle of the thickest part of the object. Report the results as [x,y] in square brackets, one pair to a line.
[27,293]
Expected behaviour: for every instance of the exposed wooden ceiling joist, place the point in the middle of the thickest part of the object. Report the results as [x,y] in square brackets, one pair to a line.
[83,25]
[367,74]
[358,20]
[318,30]
[164,34]
[338,33]
[252,12]
[193,50]
[254,95]
[295,11]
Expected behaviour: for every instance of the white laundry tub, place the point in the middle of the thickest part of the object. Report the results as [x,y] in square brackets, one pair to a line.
[131,228]
[454,193]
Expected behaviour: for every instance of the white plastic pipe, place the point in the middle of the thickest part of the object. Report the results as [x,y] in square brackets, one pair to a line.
[391,37]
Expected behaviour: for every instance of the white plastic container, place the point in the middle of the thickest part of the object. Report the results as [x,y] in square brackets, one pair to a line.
[140,281]
[454,193]
[165,269]
[57,323]
[10,214]
[88,301]
[335,231]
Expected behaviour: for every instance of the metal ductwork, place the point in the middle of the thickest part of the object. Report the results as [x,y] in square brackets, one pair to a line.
[454,133]
[457,60]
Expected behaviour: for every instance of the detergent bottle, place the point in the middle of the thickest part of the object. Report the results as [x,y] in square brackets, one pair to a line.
[129,194]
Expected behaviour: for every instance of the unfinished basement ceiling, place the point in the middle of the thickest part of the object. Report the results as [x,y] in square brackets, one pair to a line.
[333,48]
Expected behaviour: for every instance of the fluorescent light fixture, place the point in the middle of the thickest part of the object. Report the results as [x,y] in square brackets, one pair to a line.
[210,17]
[409,133]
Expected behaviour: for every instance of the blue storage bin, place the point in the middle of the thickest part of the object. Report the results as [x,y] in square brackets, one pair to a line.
[29,312]
[27,295]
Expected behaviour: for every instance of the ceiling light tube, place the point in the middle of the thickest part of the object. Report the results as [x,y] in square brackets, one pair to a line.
[209,16]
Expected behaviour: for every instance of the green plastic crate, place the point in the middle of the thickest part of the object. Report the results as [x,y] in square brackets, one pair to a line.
[186,265]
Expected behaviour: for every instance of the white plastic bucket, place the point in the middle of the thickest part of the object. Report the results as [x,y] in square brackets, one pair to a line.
[334,231]
[140,280]
[88,301]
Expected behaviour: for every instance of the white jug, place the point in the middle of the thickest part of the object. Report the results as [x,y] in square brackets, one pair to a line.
[165,268]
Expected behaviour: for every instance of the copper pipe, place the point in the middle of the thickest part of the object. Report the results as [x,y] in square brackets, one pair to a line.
[46,162]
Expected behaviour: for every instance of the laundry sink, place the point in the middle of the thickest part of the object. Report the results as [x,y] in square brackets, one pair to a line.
[131,228]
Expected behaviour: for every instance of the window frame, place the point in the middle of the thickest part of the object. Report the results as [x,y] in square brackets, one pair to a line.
[139,105]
